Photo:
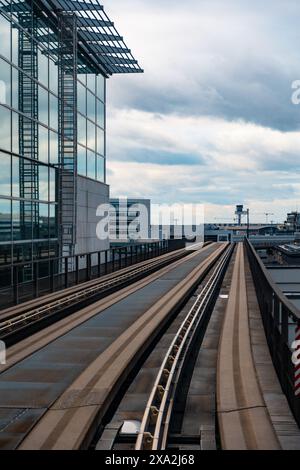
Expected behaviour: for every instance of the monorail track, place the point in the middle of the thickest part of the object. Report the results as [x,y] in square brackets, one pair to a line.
[69,386]
[154,431]
[63,404]
[20,321]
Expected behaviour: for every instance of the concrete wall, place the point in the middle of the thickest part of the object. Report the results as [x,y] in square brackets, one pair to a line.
[89,195]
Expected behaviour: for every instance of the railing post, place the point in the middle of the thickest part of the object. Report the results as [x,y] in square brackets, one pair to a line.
[99,263]
[113,259]
[105,268]
[66,272]
[52,275]
[88,266]
[77,269]
[120,258]
[36,279]
[131,254]
[16,285]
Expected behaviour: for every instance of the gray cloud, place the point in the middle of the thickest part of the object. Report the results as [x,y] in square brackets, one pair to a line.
[214,103]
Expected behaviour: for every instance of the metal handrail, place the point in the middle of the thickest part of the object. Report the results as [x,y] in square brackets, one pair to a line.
[293,311]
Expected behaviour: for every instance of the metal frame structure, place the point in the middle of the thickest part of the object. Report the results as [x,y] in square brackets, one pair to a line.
[28,127]
[101,49]
[67,135]
[80,38]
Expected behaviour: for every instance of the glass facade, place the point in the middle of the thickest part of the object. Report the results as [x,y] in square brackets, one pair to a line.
[28,171]
[91,126]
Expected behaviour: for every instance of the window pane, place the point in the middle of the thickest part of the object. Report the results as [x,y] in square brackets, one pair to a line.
[15,177]
[81,94]
[53,77]
[91,104]
[43,144]
[43,105]
[4,128]
[52,221]
[53,112]
[100,114]
[91,83]
[91,165]
[15,88]
[16,220]
[5,172]
[43,68]
[100,169]
[100,141]
[81,130]
[15,133]
[53,147]
[43,221]
[43,183]
[100,87]
[81,161]
[52,184]
[91,129]
[5,69]
[4,37]
[5,220]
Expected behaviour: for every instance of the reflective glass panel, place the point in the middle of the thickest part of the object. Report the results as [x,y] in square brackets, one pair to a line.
[5,220]
[43,144]
[100,114]
[91,165]
[100,87]
[81,130]
[5,70]
[5,173]
[100,169]
[53,147]
[4,37]
[91,104]
[81,160]
[15,176]
[43,183]
[91,136]
[100,141]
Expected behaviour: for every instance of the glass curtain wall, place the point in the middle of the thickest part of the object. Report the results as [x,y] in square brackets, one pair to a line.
[28,217]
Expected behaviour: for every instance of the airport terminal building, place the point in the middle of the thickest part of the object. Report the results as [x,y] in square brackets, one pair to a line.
[55,57]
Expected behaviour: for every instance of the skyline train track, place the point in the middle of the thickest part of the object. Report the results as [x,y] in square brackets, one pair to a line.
[86,384]
[21,320]
[154,365]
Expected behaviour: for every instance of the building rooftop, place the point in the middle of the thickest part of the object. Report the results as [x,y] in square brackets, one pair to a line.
[101,49]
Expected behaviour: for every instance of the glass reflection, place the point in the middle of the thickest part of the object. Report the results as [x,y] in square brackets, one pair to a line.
[15,177]
[81,160]
[5,128]
[43,144]
[53,147]
[101,87]
[5,173]
[100,169]
[91,106]
[100,141]
[91,165]
[100,114]
[43,183]
[4,37]
[81,130]
[5,220]
[91,135]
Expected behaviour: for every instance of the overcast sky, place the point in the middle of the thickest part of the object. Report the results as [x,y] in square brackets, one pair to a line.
[211,120]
